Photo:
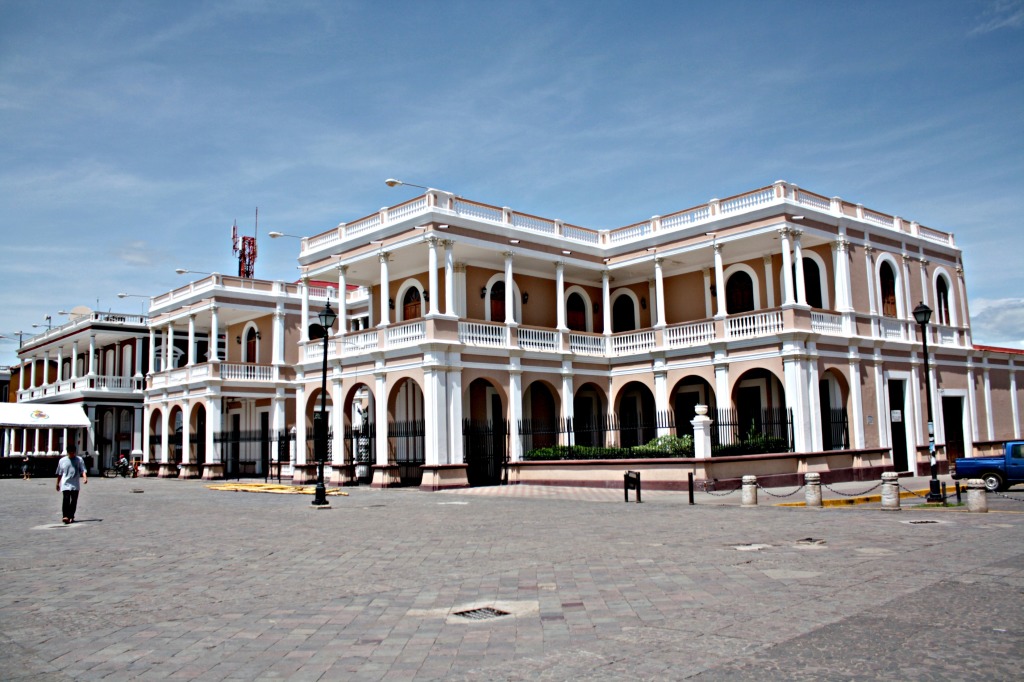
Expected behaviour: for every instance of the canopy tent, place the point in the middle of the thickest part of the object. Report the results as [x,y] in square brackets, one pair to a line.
[42,416]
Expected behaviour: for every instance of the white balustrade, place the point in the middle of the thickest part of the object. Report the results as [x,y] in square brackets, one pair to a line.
[813,200]
[403,211]
[478,211]
[361,342]
[483,334]
[826,323]
[757,324]
[580,234]
[359,227]
[529,222]
[630,232]
[631,343]
[746,201]
[879,219]
[538,339]
[691,334]
[587,344]
[889,328]
[405,334]
[690,217]
[246,372]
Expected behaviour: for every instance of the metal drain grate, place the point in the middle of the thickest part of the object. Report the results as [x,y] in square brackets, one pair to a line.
[485,613]
[917,522]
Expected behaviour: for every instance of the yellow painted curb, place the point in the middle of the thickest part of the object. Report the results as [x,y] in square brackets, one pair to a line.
[272,488]
[860,499]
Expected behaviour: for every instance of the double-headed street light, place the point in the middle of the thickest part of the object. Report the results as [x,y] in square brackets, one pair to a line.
[327,317]
[923,314]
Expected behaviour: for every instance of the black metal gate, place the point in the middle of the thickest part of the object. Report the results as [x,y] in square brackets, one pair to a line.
[245,452]
[486,451]
[360,448]
[408,441]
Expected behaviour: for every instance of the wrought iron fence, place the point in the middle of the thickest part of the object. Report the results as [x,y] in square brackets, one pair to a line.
[835,430]
[485,451]
[752,431]
[407,440]
[604,436]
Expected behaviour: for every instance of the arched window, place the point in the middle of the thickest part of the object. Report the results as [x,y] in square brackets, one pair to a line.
[942,302]
[250,345]
[739,293]
[812,284]
[623,314]
[887,282]
[411,308]
[576,313]
[498,302]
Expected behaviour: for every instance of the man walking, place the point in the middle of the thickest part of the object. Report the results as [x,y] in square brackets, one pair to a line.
[70,470]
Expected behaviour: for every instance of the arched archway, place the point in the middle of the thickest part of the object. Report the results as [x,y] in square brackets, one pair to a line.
[686,395]
[635,415]
[312,415]
[406,431]
[739,293]
[485,432]
[174,440]
[541,424]
[360,430]
[577,318]
[760,419]
[251,349]
[590,416]
[155,429]
[832,395]
[625,312]
[887,289]
[197,434]
[942,310]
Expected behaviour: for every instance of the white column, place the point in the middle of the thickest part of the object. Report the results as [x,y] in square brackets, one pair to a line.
[32,370]
[46,368]
[798,257]
[972,401]
[793,371]
[989,421]
[385,287]
[170,346]
[214,413]
[869,266]
[769,281]
[509,291]
[191,339]
[722,396]
[152,351]
[661,404]
[276,426]
[214,340]
[92,355]
[23,375]
[337,419]
[453,400]
[449,278]
[964,319]
[138,422]
[146,412]
[60,363]
[720,282]
[380,403]
[567,398]
[515,393]
[137,353]
[925,289]
[432,309]
[659,293]
[812,388]
[857,409]
[186,434]
[606,302]
[165,434]
[908,303]
[1014,408]
[917,381]
[74,360]
[304,326]
[881,392]
[787,267]
[300,421]
[435,382]
[560,297]
[342,301]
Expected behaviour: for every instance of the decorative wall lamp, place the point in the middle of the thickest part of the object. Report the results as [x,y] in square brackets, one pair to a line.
[526,297]
[391,303]
[643,303]
[483,292]
[713,289]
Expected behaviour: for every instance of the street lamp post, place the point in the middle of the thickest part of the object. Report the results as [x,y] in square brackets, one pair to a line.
[327,317]
[923,314]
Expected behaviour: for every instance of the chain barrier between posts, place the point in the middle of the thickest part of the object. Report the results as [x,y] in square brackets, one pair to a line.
[915,494]
[1015,499]
[717,494]
[840,492]
[771,494]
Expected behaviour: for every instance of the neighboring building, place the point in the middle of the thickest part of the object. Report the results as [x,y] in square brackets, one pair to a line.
[94,361]
[5,384]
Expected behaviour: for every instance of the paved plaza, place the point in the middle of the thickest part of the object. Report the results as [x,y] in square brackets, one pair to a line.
[167,579]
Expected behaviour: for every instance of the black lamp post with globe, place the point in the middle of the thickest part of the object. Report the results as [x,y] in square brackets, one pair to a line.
[327,317]
[923,314]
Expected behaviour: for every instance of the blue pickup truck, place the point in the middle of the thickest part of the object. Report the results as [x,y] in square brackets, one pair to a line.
[998,473]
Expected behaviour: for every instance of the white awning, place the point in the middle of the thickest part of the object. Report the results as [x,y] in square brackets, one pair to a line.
[42,416]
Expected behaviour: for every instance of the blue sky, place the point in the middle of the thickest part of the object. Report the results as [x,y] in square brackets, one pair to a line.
[132,134]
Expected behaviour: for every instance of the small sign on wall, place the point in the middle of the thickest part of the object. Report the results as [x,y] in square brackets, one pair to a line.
[896,416]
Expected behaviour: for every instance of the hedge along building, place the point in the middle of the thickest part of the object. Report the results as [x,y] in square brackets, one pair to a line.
[787,312]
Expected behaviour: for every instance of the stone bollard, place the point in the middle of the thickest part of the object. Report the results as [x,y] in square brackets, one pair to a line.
[891,491]
[812,490]
[976,499]
[749,494]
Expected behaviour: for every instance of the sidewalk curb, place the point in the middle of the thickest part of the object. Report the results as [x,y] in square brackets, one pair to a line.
[859,499]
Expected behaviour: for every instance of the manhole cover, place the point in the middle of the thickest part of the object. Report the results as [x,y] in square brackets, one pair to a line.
[484,613]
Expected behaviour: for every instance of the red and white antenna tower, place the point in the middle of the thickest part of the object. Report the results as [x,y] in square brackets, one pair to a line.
[245,248]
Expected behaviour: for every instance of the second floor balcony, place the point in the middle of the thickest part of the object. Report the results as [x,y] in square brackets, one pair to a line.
[111,385]
[223,373]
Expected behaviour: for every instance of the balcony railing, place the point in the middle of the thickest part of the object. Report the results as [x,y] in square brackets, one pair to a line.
[107,384]
[226,371]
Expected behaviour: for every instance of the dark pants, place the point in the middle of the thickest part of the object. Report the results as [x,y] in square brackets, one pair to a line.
[70,503]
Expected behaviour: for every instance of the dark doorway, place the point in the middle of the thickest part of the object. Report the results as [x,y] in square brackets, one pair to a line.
[739,293]
[748,410]
[623,315]
[411,308]
[576,313]
[684,408]
[498,302]
[953,424]
[200,435]
[897,425]
[265,443]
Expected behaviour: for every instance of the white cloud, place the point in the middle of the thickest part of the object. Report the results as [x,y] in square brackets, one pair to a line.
[998,322]
[1000,14]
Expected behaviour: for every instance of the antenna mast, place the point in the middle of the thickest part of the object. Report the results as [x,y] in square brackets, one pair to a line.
[245,248]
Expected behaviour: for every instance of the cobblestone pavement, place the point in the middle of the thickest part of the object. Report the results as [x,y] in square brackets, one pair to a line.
[166,579]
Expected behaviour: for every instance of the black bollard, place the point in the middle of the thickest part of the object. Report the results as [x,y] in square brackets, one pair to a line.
[631,481]
[689,483]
